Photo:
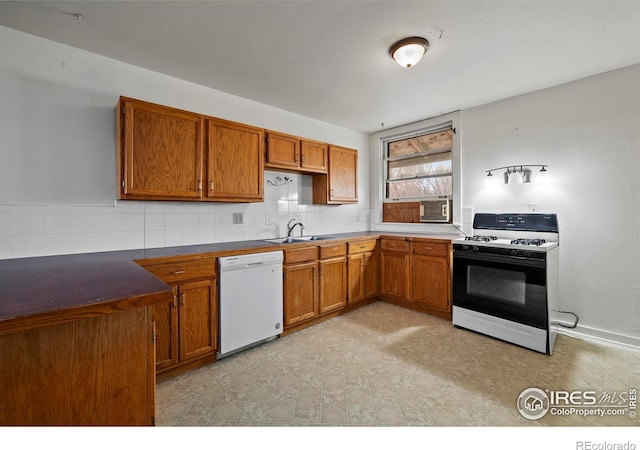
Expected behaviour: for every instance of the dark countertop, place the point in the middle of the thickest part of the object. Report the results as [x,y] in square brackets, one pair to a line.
[53,289]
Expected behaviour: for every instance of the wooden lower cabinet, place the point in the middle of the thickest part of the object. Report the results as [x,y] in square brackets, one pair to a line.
[430,282]
[394,268]
[417,274]
[187,326]
[363,270]
[300,292]
[91,371]
[315,282]
[333,284]
[431,276]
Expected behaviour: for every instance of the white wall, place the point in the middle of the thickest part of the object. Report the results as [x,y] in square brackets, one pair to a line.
[588,132]
[57,167]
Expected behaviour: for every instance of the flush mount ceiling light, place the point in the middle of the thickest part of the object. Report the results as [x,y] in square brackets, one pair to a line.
[408,52]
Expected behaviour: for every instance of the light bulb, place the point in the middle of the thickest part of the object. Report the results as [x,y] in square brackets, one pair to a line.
[543,176]
[515,177]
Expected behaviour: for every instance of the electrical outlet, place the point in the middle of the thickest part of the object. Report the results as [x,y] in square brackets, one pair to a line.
[357,217]
[534,207]
[237,218]
[268,220]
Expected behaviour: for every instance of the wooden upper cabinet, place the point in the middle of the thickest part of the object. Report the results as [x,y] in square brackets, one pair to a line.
[235,167]
[340,185]
[295,154]
[159,151]
[314,156]
[283,151]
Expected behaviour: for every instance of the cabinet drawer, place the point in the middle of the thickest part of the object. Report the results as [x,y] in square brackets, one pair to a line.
[296,255]
[395,245]
[330,251]
[362,246]
[183,270]
[431,249]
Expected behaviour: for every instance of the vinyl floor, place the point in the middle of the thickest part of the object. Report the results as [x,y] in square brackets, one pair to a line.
[384,365]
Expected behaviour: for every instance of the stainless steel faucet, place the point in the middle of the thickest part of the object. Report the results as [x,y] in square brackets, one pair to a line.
[291,227]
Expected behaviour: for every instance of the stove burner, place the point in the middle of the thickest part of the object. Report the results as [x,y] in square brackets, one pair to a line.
[528,241]
[480,238]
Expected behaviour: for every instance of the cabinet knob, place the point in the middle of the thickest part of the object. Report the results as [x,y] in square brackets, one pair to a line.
[178,272]
[199,185]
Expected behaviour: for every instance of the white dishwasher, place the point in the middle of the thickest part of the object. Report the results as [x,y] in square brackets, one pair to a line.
[250,300]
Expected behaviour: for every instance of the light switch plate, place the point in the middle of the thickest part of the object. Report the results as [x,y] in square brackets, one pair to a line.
[237,218]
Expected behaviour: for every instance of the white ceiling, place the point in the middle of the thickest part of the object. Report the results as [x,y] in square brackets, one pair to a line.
[329,59]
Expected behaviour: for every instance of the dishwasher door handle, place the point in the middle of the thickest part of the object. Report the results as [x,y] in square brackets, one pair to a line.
[258,263]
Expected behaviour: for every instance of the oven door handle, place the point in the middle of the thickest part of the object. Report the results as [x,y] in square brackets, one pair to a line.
[502,259]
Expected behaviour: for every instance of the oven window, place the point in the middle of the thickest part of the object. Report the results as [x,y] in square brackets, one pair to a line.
[497,284]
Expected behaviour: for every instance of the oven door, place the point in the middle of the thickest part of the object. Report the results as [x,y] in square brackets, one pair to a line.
[502,286]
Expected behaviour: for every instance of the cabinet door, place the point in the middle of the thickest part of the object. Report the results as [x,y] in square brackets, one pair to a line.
[340,184]
[430,278]
[343,175]
[314,156]
[356,278]
[198,318]
[282,151]
[300,293]
[333,284]
[370,274]
[235,163]
[161,151]
[165,316]
[394,268]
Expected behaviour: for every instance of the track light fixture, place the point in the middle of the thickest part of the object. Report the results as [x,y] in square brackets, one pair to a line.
[517,174]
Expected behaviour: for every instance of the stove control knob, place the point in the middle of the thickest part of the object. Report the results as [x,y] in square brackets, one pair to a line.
[514,252]
[475,248]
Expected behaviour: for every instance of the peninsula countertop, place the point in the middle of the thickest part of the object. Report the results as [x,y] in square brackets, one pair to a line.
[46,290]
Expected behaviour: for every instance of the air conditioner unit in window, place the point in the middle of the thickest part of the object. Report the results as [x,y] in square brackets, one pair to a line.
[437,210]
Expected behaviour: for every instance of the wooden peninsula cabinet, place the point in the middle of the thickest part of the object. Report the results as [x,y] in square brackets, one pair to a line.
[186,326]
[77,340]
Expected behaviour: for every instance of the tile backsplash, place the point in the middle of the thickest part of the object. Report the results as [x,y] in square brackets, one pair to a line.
[39,230]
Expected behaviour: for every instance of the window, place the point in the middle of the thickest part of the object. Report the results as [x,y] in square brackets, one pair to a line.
[420,166]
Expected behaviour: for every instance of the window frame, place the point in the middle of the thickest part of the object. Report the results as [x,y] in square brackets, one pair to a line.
[387,159]
[378,144]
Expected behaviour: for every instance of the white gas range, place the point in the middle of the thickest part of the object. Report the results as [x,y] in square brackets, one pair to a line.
[505,278]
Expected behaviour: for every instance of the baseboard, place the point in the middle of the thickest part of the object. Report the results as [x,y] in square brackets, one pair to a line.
[601,336]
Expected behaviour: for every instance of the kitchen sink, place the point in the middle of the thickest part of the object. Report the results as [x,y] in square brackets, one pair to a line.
[292,240]
[311,238]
